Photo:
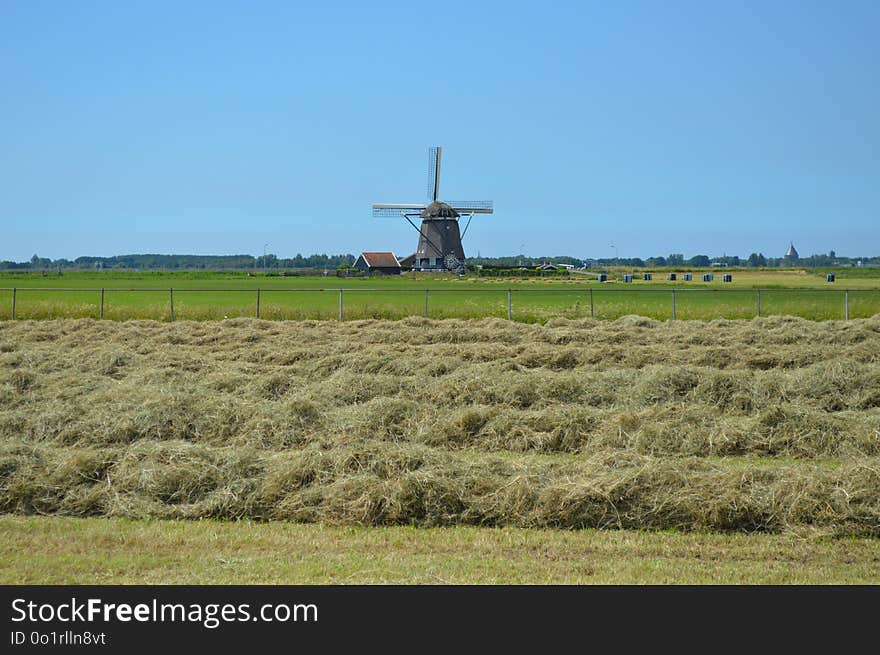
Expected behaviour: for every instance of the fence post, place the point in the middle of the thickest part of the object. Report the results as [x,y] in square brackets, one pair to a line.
[340,304]
[14,290]
[426,303]
[846,305]
[509,307]
[171,296]
[673,304]
[759,303]
[258,302]
[102,304]
[592,315]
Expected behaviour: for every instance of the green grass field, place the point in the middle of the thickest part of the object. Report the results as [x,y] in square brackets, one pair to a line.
[202,296]
[56,550]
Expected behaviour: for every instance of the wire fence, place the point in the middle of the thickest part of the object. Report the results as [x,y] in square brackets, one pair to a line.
[524,304]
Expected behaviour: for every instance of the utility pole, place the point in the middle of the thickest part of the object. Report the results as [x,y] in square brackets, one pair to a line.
[265,245]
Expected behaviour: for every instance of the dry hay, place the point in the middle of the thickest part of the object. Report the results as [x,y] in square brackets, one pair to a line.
[771,424]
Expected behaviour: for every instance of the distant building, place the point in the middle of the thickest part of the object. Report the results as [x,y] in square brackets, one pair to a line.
[378,263]
[791,255]
[408,262]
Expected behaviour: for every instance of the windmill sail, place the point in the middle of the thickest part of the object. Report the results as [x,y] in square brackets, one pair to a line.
[433,173]
[385,210]
[471,206]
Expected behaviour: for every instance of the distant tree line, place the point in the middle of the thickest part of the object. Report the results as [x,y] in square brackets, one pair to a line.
[181,262]
[756,260]
[679,260]
[523,261]
[333,262]
[312,261]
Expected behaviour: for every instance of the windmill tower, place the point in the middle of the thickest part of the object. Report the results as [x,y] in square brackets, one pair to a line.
[440,236]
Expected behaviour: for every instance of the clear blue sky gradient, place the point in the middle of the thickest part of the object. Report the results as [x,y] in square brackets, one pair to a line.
[215,128]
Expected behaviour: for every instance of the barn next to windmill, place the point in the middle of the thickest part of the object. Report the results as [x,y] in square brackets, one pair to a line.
[378,263]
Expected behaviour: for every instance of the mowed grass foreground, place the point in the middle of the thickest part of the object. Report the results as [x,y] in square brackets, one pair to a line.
[56,550]
[771,425]
[201,296]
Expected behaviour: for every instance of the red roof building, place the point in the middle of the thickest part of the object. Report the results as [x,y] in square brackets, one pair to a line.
[378,263]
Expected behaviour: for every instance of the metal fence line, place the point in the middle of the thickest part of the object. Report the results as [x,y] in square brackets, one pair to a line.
[602,289]
[580,292]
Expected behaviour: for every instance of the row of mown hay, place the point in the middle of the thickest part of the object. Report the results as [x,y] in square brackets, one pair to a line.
[781,429]
[384,484]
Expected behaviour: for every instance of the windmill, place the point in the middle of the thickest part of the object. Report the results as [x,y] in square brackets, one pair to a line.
[440,237]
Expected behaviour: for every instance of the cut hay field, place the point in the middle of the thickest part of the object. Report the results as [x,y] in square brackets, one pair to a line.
[199,296]
[767,426]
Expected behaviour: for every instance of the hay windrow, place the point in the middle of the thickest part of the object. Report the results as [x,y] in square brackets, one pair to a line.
[764,425]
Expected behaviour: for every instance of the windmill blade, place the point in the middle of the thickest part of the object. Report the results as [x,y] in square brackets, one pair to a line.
[385,210]
[433,172]
[471,206]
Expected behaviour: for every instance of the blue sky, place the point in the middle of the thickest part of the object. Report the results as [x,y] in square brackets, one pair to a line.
[214,128]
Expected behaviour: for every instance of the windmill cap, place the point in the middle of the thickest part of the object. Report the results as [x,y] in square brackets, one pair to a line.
[439,209]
